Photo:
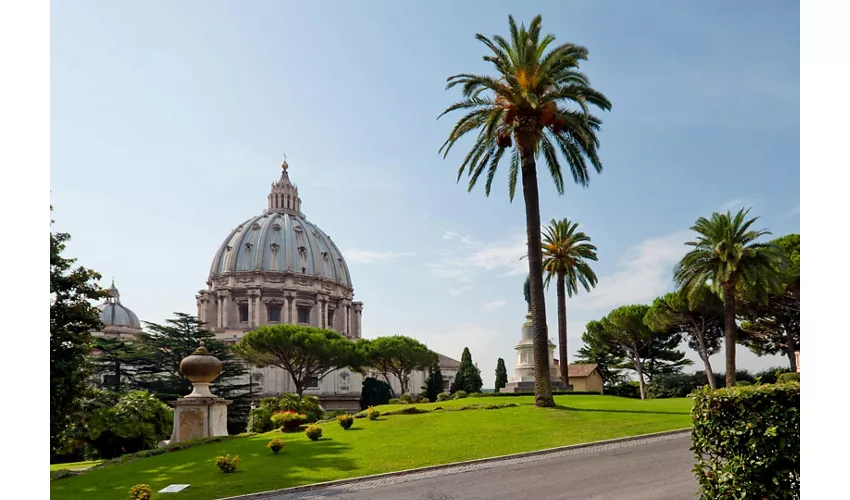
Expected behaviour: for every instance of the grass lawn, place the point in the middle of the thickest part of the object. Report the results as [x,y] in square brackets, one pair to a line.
[391,443]
[74,465]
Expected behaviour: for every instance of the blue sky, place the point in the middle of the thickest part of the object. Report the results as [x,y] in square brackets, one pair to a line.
[169,121]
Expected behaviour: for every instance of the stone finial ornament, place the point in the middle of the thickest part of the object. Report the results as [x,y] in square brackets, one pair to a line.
[200,368]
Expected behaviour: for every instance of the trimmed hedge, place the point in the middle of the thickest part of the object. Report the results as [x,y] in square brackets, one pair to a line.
[789,377]
[747,442]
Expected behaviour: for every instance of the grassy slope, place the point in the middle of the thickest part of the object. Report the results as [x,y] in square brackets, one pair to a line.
[388,444]
[74,465]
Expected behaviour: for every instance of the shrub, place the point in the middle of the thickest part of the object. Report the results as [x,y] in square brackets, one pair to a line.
[422,399]
[747,442]
[309,406]
[141,492]
[260,418]
[789,377]
[443,396]
[406,399]
[226,464]
[375,392]
[288,420]
[138,421]
[276,445]
[476,395]
[408,410]
[373,413]
[628,389]
[395,401]
[345,421]
[459,395]
[742,383]
[769,375]
[674,385]
[314,432]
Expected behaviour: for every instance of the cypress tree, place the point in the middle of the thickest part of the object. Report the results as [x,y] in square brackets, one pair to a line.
[501,375]
[468,379]
[434,383]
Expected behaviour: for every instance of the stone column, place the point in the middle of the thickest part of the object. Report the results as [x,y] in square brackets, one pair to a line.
[293,318]
[219,300]
[284,311]
[200,303]
[225,305]
[325,313]
[250,310]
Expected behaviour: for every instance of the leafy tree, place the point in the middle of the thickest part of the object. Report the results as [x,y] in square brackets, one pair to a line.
[566,252]
[138,421]
[468,378]
[537,101]
[501,375]
[650,353]
[596,351]
[434,383]
[727,258]
[374,392]
[397,355]
[112,362]
[773,325]
[156,355]
[303,352]
[698,317]
[72,318]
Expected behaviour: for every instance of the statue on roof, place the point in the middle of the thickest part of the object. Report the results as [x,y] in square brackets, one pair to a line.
[526,291]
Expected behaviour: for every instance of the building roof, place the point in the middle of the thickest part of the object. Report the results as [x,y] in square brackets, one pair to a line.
[582,370]
[281,239]
[448,363]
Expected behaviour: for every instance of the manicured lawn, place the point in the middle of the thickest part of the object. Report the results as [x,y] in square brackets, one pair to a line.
[74,465]
[391,443]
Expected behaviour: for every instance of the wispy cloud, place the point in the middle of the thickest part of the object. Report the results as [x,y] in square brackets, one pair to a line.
[495,304]
[371,257]
[475,257]
[645,273]
[464,239]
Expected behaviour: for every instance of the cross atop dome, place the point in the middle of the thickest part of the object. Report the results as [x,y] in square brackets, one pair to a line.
[284,165]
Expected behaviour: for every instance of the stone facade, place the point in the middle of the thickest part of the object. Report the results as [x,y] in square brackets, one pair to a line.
[523,379]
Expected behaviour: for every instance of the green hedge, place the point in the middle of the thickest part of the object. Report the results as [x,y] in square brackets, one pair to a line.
[790,377]
[747,442]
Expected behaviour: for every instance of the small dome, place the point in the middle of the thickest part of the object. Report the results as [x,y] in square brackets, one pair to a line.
[113,313]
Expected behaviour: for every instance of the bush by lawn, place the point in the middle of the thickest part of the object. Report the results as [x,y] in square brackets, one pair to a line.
[387,444]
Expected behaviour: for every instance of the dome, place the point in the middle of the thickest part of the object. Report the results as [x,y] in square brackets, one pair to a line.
[113,313]
[281,239]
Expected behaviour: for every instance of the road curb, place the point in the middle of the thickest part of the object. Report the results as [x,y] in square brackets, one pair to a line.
[307,487]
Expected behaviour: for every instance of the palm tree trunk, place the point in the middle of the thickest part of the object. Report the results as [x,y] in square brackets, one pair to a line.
[562,330]
[540,337]
[731,336]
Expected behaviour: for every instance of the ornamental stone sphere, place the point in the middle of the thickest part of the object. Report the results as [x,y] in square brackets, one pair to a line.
[201,366]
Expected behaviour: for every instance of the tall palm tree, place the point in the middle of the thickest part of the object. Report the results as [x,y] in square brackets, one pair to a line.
[566,252]
[537,101]
[727,259]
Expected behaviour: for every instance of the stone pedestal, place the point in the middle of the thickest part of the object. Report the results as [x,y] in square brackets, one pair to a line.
[523,379]
[197,417]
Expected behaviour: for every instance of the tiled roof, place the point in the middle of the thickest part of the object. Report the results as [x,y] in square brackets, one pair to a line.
[582,370]
[448,363]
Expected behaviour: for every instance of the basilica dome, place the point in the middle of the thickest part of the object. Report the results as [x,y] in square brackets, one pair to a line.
[281,239]
[114,313]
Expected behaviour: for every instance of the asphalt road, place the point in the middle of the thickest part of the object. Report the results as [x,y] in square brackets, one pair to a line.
[650,469]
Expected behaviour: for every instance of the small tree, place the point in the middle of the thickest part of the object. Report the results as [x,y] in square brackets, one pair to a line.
[596,351]
[398,355]
[72,317]
[501,374]
[434,383]
[304,352]
[468,378]
[374,392]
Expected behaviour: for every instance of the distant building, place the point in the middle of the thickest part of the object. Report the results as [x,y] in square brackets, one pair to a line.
[585,377]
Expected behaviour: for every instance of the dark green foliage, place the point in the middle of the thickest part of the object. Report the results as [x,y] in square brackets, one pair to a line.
[459,395]
[742,383]
[396,401]
[260,418]
[397,355]
[501,374]
[676,385]
[444,396]
[406,399]
[627,389]
[72,317]
[303,352]
[468,378]
[375,392]
[595,351]
[138,421]
[747,442]
[769,375]
[434,383]
[772,326]
[789,377]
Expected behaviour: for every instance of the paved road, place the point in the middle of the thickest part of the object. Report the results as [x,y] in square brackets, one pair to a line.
[657,468]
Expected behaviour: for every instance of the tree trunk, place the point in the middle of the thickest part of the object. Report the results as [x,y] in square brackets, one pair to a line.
[299,388]
[562,330]
[639,369]
[703,354]
[542,377]
[731,337]
[789,350]
[402,381]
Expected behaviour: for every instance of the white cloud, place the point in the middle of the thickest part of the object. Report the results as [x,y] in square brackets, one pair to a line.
[370,257]
[464,239]
[647,273]
[458,291]
[462,266]
[495,304]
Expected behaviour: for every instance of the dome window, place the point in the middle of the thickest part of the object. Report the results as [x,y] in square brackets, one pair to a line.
[229,248]
[276,226]
[249,245]
[238,228]
[298,228]
[274,247]
[256,226]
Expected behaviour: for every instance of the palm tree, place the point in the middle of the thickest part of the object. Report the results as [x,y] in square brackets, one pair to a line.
[526,109]
[727,259]
[565,254]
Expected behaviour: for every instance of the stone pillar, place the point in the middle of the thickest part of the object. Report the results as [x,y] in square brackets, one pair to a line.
[225,306]
[201,414]
[284,311]
[199,301]
[293,318]
[250,310]
[219,300]
[325,313]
